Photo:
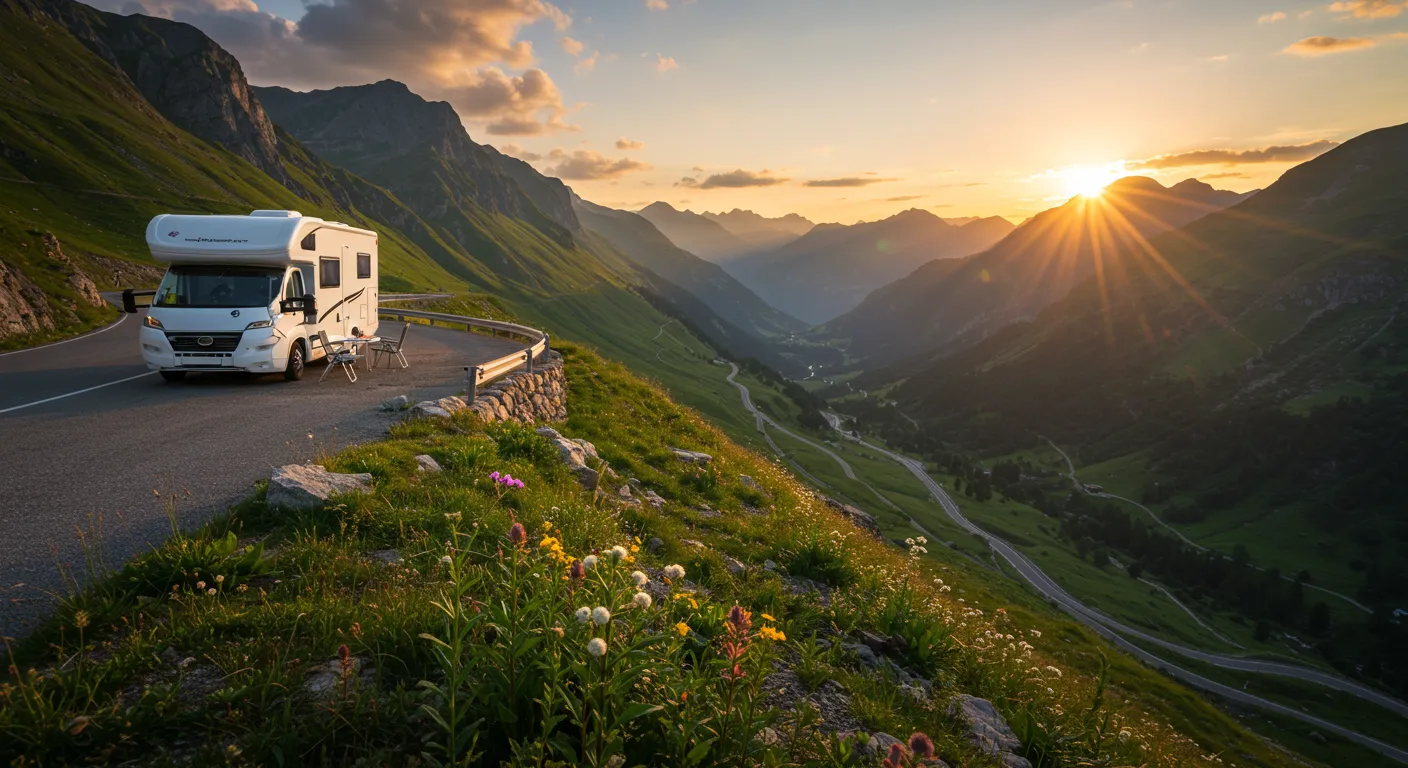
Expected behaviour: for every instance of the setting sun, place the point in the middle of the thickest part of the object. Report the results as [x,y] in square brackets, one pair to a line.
[1091,181]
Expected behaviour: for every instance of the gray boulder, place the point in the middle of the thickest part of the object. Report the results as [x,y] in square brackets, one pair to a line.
[308,486]
[397,403]
[691,457]
[987,728]
[427,463]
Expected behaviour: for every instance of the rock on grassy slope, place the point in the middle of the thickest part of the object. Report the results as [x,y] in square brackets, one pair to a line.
[701,612]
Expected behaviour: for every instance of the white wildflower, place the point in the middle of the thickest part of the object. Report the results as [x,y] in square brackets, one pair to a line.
[596,647]
[446,560]
[600,615]
[674,572]
[584,614]
[642,600]
[589,561]
[617,553]
[640,578]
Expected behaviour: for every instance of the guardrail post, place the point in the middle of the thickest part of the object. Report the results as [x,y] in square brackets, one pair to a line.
[528,358]
[547,344]
[472,374]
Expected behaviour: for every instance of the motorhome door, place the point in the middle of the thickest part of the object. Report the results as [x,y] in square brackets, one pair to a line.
[332,313]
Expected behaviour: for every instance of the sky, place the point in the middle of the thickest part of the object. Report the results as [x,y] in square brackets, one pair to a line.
[848,110]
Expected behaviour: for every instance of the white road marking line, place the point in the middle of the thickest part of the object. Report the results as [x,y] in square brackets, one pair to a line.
[71,394]
[108,327]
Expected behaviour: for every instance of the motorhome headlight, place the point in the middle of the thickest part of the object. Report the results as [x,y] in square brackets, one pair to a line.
[152,322]
[259,324]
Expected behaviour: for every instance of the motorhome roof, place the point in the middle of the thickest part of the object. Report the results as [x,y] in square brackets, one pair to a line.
[263,237]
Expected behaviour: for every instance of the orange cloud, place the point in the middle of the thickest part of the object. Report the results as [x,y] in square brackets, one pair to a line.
[572,46]
[848,181]
[1287,154]
[624,143]
[735,179]
[1271,18]
[1368,9]
[665,63]
[1323,44]
[585,165]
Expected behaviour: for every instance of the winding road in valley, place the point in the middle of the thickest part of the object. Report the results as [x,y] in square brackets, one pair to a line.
[97,446]
[1119,633]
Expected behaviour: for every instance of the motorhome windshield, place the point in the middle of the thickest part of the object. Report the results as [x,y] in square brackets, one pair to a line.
[218,286]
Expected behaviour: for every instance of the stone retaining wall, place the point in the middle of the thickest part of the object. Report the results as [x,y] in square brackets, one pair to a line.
[531,398]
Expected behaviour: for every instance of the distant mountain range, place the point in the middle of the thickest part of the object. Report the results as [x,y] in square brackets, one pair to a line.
[957,301]
[831,268]
[701,236]
[759,232]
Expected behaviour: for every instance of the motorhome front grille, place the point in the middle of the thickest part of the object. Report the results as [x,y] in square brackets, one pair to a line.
[205,342]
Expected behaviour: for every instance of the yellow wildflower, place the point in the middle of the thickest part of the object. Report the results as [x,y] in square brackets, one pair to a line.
[768,617]
[768,633]
[682,628]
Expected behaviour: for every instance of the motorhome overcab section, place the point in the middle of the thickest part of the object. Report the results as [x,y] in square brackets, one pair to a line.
[250,293]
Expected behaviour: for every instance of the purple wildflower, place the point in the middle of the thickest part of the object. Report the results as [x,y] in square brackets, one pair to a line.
[517,535]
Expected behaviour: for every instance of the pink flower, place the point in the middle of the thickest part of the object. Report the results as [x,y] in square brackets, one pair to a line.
[516,535]
[920,744]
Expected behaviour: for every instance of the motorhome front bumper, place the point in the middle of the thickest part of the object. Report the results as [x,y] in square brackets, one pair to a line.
[255,351]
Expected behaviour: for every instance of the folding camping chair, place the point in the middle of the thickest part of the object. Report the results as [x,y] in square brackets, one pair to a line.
[391,348]
[342,354]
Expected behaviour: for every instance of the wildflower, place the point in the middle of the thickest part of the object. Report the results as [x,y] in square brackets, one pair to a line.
[600,615]
[219,579]
[596,647]
[242,588]
[768,617]
[921,745]
[547,526]
[1034,633]
[642,600]
[517,535]
[495,476]
[617,553]
[682,628]
[80,619]
[558,630]
[768,633]
[589,561]
[446,560]
[739,620]
[1054,671]
[584,614]
[210,591]
[200,585]
[639,578]
[577,571]
[1124,734]
[674,571]
[896,757]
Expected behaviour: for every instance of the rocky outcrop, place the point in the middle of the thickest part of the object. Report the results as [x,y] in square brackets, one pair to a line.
[23,307]
[858,517]
[691,457]
[988,730]
[185,75]
[575,454]
[308,486]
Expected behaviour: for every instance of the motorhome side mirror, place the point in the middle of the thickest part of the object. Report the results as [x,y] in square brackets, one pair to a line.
[129,302]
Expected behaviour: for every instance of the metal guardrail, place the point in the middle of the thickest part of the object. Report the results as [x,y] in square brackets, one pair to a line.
[484,372]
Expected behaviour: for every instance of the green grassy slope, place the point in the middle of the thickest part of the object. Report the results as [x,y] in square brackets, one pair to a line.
[292,638]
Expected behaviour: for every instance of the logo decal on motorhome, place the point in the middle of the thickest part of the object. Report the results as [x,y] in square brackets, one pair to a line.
[172,233]
[205,341]
[234,313]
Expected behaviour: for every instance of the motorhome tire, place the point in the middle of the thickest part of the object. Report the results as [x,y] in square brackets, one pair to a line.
[294,371]
[173,375]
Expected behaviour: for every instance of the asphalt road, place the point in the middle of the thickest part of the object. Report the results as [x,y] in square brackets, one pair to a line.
[1116,632]
[94,446]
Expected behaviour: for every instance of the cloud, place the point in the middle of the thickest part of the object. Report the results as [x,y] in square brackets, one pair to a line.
[657,5]
[1321,45]
[573,46]
[904,198]
[1271,18]
[732,180]
[454,50]
[848,181]
[665,63]
[511,105]
[1219,58]
[1228,175]
[587,165]
[624,143]
[1368,9]
[1287,154]
[586,65]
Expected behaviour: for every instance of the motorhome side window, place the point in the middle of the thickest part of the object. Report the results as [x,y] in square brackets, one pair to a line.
[310,243]
[329,273]
[364,266]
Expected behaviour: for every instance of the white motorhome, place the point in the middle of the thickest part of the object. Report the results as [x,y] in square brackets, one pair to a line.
[251,293]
